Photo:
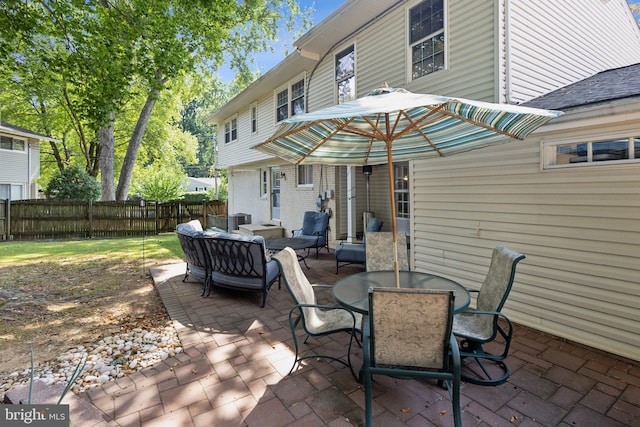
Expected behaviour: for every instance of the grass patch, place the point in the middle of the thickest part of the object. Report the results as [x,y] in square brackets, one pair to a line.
[58,294]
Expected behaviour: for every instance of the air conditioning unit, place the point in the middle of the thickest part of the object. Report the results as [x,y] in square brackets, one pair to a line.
[237,219]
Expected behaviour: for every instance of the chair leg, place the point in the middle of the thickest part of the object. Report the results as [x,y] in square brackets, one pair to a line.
[368,398]
[496,373]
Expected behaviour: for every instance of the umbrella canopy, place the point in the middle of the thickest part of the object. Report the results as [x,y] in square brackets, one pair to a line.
[390,124]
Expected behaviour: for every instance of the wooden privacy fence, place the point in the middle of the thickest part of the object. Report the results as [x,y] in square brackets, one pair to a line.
[58,219]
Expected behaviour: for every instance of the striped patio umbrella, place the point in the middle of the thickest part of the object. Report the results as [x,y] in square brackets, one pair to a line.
[390,124]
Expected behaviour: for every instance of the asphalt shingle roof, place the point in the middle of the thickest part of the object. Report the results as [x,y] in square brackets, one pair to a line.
[610,85]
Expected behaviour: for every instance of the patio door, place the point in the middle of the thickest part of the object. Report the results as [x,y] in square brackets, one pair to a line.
[275,193]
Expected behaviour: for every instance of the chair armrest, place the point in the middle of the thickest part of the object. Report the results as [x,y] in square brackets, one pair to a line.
[324,307]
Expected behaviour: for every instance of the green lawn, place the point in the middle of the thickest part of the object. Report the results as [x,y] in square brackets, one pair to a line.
[55,294]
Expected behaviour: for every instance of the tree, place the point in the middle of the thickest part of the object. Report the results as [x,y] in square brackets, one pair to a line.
[101,56]
[73,183]
[160,183]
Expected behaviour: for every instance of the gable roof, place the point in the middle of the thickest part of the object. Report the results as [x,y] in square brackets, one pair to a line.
[18,131]
[606,86]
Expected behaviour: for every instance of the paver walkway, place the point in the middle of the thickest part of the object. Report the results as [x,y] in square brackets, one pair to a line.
[233,372]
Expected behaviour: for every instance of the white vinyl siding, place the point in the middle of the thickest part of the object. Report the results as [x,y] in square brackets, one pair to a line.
[577,228]
[14,166]
[554,44]
[238,153]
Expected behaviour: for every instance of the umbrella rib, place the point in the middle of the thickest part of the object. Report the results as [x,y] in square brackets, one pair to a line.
[289,133]
[340,126]
[424,135]
[473,122]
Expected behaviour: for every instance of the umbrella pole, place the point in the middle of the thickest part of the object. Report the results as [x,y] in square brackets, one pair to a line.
[392,199]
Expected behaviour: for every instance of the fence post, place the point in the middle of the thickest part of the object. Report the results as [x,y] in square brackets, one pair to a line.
[9,235]
[157,216]
[90,215]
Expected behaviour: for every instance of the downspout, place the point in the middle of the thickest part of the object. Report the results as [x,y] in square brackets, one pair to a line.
[507,52]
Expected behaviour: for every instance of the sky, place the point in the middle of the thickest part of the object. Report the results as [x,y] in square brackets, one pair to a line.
[266,61]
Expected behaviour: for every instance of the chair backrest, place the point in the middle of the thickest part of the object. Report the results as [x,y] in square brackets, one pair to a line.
[379,251]
[410,327]
[194,253]
[497,284]
[315,223]
[296,281]
[236,255]
[374,225]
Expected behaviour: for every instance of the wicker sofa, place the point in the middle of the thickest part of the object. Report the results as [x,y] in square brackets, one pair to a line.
[227,260]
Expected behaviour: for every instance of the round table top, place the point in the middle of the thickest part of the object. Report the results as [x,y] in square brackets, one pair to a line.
[352,291]
[292,242]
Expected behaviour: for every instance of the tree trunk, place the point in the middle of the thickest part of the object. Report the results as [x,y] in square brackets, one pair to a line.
[134,145]
[107,147]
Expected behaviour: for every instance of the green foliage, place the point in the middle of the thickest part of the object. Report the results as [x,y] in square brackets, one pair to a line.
[223,190]
[73,183]
[158,182]
[196,196]
[72,65]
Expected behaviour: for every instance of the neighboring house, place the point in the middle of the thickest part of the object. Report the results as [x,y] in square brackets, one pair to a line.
[200,184]
[550,197]
[19,162]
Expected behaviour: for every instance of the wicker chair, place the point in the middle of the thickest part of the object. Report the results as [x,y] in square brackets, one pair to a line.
[317,320]
[408,335]
[482,325]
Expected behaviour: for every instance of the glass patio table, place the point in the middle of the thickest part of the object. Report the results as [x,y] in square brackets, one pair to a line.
[352,291]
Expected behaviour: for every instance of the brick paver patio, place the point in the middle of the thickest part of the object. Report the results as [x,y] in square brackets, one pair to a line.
[233,372]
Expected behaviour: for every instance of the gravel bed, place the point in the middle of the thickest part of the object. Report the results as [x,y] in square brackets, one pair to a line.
[110,358]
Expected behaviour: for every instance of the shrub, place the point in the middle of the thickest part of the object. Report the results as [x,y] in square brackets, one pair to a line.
[73,183]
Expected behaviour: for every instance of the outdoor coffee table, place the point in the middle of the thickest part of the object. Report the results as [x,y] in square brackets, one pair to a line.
[293,243]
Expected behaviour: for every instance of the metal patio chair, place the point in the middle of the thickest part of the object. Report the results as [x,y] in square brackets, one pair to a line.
[408,335]
[482,325]
[317,319]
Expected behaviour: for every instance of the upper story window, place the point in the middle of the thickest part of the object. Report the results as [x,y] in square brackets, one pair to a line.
[305,175]
[592,153]
[9,143]
[254,117]
[231,130]
[290,101]
[346,75]
[426,37]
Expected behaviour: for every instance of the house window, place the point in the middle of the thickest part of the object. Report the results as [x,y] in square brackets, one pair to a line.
[592,153]
[264,183]
[8,143]
[10,192]
[290,101]
[305,175]
[346,75]
[426,37]
[254,118]
[297,98]
[282,105]
[401,187]
[231,130]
